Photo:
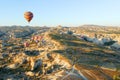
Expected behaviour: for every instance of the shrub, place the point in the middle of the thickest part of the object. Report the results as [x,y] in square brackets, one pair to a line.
[109,43]
[69,32]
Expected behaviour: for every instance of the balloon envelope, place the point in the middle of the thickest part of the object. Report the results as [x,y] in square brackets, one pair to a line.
[28,16]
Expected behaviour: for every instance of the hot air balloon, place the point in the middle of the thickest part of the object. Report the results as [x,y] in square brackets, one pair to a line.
[28,16]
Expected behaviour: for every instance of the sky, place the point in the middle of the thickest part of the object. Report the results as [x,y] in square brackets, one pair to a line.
[60,12]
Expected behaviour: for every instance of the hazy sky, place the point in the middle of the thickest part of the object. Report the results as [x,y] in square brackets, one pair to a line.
[64,12]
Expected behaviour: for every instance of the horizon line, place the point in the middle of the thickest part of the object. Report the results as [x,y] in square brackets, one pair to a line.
[60,25]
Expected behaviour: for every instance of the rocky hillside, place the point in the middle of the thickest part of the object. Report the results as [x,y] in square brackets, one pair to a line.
[57,57]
